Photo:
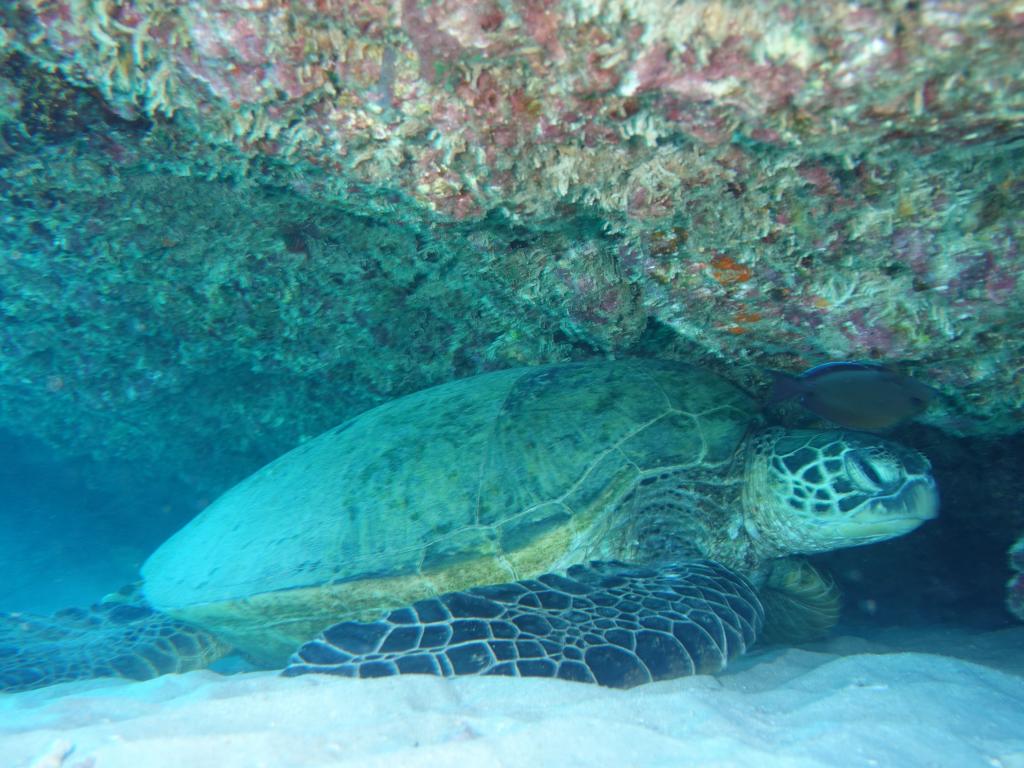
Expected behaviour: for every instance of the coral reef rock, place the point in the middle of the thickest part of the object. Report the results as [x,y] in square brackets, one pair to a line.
[230,224]
[1015,588]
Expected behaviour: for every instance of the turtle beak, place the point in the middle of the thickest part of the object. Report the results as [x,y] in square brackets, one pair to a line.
[896,515]
[921,499]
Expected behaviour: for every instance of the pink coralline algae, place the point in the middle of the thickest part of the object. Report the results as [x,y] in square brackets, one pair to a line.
[705,73]
[729,77]
[871,334]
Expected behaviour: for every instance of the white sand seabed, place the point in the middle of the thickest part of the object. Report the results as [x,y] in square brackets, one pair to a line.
[956,699]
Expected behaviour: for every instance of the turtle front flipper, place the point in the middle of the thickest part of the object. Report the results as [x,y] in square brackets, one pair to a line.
[107,640]
[605,623]
[801,603]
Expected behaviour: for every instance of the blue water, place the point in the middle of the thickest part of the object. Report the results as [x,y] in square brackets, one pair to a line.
[71,532]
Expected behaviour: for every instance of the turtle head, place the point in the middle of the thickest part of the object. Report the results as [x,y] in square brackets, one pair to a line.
[813,491]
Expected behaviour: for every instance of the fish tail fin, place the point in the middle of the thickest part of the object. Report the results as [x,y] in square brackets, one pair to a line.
[784,387]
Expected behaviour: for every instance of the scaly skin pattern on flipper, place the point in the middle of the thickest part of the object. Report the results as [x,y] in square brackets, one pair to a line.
[800,602]
[107,640]
[606,623]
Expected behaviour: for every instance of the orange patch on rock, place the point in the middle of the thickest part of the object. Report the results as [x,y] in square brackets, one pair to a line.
[727,271]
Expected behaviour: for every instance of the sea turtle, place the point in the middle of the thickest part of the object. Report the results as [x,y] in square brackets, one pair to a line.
[615,522]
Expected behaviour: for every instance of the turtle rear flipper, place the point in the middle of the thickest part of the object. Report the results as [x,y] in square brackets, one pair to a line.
[107,640]
[605,623]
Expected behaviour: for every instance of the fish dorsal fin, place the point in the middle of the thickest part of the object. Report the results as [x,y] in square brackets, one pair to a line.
[843,365]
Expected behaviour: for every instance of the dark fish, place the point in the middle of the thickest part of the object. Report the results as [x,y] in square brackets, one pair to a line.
[857,395]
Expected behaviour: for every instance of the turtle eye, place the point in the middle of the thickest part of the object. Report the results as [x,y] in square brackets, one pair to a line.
[867,474]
